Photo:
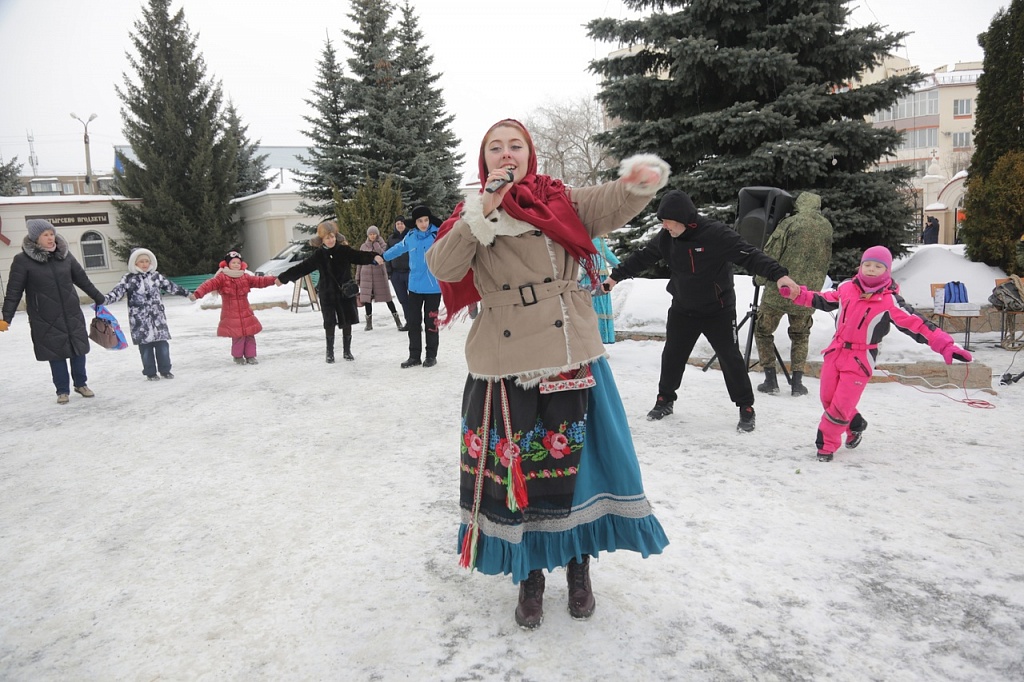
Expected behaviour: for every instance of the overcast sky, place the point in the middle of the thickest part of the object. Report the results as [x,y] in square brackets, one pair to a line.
[497,60]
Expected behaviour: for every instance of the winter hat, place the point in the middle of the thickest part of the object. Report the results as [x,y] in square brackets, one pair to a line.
[134,269]
[231,255]
[372,229]
[37,226]
[677,205]
[878,254]
[322,230]
[419,212]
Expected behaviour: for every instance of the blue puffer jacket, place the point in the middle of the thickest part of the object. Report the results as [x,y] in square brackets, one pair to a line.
[416,243]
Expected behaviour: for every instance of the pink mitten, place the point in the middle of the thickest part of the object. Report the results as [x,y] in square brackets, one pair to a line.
[952,351]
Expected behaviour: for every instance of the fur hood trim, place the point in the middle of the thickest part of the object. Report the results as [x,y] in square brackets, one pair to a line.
[642,188]
[36,253]
[497,224]
[132,268]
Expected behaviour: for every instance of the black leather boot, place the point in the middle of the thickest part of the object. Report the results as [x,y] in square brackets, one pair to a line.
[771,382]
[581,596]
[530,611]
[330,346]
[798,387]
[346,342]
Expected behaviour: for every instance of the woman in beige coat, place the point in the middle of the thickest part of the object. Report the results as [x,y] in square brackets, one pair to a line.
[549,475]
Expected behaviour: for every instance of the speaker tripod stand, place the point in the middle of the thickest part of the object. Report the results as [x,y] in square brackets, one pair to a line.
[751,317]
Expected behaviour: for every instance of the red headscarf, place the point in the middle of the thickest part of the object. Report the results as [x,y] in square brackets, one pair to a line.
[541,201]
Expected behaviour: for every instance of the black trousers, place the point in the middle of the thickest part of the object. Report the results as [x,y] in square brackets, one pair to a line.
[681,334]
[421,319]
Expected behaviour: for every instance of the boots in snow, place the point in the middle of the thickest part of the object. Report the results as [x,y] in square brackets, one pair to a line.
[771,382]
[857,425]
[369,322]
[798,387]
[398,322]
[581,596]
[530,612]
[346,344]
[330,347]
[411,362]
[746,422]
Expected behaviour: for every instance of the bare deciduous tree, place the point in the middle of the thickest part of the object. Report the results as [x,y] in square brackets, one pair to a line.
[564,135]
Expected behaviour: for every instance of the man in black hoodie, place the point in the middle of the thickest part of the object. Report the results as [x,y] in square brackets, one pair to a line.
[699,252]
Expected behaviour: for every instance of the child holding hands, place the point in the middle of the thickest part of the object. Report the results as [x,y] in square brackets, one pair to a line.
[868,303]
[146,315]
[237,320]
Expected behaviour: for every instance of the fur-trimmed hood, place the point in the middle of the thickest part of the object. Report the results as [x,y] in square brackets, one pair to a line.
[134,269]
[38,254]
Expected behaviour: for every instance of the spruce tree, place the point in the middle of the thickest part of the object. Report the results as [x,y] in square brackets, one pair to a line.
[429,167]
[737,93]
[252,166]
[373,91]
[186,169]
[992,230]
[10,185]
[331,158]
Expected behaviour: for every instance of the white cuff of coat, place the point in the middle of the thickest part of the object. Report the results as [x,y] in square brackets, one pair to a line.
[652,160]
[486,228]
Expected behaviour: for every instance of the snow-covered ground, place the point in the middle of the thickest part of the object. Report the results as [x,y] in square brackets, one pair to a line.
[296,520]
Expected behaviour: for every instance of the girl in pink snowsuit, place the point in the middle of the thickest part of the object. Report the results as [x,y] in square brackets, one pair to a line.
[867,305]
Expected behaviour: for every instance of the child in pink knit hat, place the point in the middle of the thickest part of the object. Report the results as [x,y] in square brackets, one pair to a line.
[868,303]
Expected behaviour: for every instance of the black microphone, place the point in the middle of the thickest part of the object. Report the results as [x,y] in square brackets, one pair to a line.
[494,185]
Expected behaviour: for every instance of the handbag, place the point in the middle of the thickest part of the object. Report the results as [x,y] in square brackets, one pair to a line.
[102,332]
[349,289]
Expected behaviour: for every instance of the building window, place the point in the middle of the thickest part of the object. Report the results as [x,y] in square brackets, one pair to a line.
[961,107]
[44,186]
[94,251]
[68,188]
[105,185]
[961,140]
[917,104]
[920,138]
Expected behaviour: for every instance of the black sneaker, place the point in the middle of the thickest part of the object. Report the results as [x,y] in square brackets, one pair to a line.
[824,456]
[430,362]
[168,375]
[746,422]
[855,440]
[662,408]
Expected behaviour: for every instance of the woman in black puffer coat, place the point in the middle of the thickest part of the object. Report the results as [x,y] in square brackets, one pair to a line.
[46,273]
[334,260]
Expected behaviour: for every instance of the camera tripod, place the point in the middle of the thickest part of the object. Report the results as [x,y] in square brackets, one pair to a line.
[751,317]
[1008,379]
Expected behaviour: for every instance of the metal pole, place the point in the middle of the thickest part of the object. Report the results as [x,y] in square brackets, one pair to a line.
[88,158]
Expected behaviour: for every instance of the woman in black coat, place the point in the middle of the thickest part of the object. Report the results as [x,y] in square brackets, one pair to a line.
[46,273]
[334,261]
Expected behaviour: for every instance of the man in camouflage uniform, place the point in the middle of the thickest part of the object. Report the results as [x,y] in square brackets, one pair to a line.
[802,243]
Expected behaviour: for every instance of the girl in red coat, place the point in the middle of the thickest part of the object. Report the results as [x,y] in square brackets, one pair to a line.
[868,304]
[236,317]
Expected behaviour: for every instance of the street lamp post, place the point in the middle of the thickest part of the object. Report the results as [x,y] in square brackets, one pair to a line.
[88,159]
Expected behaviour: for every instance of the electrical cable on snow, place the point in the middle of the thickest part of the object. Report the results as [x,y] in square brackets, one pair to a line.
[966,400]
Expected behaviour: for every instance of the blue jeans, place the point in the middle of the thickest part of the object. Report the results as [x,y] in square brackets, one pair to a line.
[156,355]
[59,372]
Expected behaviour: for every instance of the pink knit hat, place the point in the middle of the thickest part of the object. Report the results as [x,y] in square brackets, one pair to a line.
[879,254]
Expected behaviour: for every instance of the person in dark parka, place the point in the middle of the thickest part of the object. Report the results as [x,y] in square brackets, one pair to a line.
[334,260]
[46,273]
[700,252]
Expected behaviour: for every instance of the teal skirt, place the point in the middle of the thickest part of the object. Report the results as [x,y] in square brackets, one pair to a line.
[609,509]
